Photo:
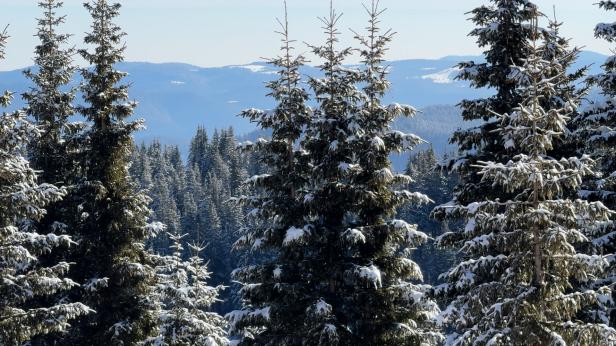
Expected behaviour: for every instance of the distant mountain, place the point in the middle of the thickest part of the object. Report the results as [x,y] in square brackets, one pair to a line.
[176,98]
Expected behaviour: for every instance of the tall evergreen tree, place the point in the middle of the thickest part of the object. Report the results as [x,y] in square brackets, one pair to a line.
[502,29]
[22,203]
[523,275]
[370,287]
[276,296]
[50,101]
[111,261]
[198,149]
[346,268]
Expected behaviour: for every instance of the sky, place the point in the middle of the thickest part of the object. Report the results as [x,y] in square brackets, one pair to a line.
[211,33]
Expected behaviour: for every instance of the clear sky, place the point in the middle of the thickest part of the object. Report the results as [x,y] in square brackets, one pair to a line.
[228,32]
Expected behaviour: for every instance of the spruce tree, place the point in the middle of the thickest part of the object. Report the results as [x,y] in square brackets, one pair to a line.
[50,103]
[370,290]
[23,282]
[523,275]
[193,194]
[111,262]
[502,29]
[275,292]
[567,85]
[346,278]
[198,149]
[184,319]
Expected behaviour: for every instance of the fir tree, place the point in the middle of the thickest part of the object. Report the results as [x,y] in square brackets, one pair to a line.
[502,29]
[193,194]
[198,149]
[567,85]
[111,261]
[22,203]
[522,278]
[275,294]
[50,104]
[184,319]
[347,270]
[371,284]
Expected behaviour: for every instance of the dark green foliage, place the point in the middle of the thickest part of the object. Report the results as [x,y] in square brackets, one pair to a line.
[50,103]
[502,30]
[111,262]
[423,168]
[595,136]
[195,202]
[274,292]
[25,282]
[340,273]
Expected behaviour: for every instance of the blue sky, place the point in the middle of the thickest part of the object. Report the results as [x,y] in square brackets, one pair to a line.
[229,32]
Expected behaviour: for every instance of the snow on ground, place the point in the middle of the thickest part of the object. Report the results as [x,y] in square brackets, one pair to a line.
[255,68]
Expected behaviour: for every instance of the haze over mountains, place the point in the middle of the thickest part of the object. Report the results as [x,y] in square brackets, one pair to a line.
[176,98]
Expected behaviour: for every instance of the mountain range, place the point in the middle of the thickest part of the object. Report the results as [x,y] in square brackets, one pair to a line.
[175,98]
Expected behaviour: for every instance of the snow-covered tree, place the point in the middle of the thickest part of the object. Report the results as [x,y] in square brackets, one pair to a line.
[428,178]
[198,150]
[523,275]
[567,85]
[184,318]
[111,262]
[22,203]
[502,29]
[275,291]
[55,154]
[370,292]
[50,100]
[342,273]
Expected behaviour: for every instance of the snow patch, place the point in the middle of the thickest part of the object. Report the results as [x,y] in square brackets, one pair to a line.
[442,77]
[294,235]
[255,68]
[372,274]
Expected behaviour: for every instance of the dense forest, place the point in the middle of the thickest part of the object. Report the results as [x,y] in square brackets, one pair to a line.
[306,234]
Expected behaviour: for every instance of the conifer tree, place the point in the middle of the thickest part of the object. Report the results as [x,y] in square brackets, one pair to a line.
[567,85]
[523,275]
[502,29]
[50,105]
[193,195]
[347,270]
[370,289]
[198,149]
[184,319]
[22,203]
[275,291]
[111,261]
